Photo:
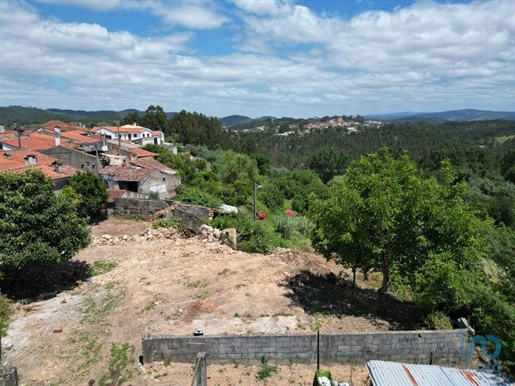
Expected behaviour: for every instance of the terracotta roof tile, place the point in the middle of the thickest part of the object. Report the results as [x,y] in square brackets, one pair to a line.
[139,152]
[125,174]
[115,193]
[16,163]
[150,163]
[28,143]
[50,125]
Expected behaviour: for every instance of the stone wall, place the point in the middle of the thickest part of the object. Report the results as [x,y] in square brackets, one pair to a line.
[419,346]
[143,209]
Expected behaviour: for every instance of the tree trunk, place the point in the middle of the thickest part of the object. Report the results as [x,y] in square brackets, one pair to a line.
[385,269]
[353,277]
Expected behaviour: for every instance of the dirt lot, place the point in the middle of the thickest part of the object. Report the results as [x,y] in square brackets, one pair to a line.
[147,282]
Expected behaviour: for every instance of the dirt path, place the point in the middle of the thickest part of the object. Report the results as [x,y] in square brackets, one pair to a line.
[160,284]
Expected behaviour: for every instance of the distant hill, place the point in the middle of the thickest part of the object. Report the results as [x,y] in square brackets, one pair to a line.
[233,120]
[34,116]
[453,115]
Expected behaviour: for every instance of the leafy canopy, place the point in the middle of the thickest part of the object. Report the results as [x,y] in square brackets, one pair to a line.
[384,216]
[37,225]
[90,191]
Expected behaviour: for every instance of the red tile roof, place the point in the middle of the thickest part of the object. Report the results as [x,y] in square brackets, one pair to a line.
[125,174]
[80,136]
[115,193]
[16,163]
[63,126]
[140,153]
[150,163]
[28,143]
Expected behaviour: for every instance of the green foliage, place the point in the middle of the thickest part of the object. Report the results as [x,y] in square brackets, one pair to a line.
[197,129]
[5,313]
[385,216]
[266,370]
[289,226]
[252,237]
[100,267]
[119,365]
[153,195]
[328,162]
[196,196]
[37,225]
[438,320]
[166,223]
[299,185]
[233,166]
[270,196]
[91,191]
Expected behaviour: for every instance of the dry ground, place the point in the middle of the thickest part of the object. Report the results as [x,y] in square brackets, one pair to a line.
[173,286]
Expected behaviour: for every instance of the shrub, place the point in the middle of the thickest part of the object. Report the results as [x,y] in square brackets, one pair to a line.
[252,237]
[166,223]
[286,226]
[197,197]
[438,320]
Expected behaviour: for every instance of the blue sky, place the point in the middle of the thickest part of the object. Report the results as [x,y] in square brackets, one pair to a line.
[301,58]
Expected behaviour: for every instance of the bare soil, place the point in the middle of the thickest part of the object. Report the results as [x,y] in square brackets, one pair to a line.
[168,284]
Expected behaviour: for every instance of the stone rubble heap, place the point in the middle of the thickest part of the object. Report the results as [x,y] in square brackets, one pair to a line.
[206,233]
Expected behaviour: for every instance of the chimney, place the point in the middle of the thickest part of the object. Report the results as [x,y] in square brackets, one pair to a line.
[57,164]
[30,159]
[57,136]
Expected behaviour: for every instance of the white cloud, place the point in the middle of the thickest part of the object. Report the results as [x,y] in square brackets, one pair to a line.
[199,15]
[428,56]
[99,5]
[261,7]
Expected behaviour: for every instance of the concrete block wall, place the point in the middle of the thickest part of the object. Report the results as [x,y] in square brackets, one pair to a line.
[416,345]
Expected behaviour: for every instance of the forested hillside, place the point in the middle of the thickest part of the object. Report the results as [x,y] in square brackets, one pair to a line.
[431,208]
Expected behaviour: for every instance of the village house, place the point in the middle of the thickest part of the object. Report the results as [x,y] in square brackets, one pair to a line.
[144,181]
[133,133]
[19,161]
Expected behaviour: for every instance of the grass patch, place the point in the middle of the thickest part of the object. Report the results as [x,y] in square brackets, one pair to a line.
[95,307]
[167,223]
[266,370]
[119,365]
[196,284]
[282,314]
[100,267]
[149,306]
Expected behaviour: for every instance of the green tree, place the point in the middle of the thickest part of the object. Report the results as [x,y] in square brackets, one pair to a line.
[130,119]
[233,166]
[37,225]
[328,162]
[385,216]
[154,118]
[91,193]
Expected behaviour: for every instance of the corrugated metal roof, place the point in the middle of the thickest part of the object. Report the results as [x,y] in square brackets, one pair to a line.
[384,373]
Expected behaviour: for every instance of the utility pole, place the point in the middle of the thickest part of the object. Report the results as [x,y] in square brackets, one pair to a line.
[18,131]
[256,187]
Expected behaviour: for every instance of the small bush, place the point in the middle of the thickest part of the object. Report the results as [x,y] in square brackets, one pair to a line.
[167,223]
[252,236]
[5,313]
[287,226]
[266,370]
[196,196]
[153,195]
[438,320]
